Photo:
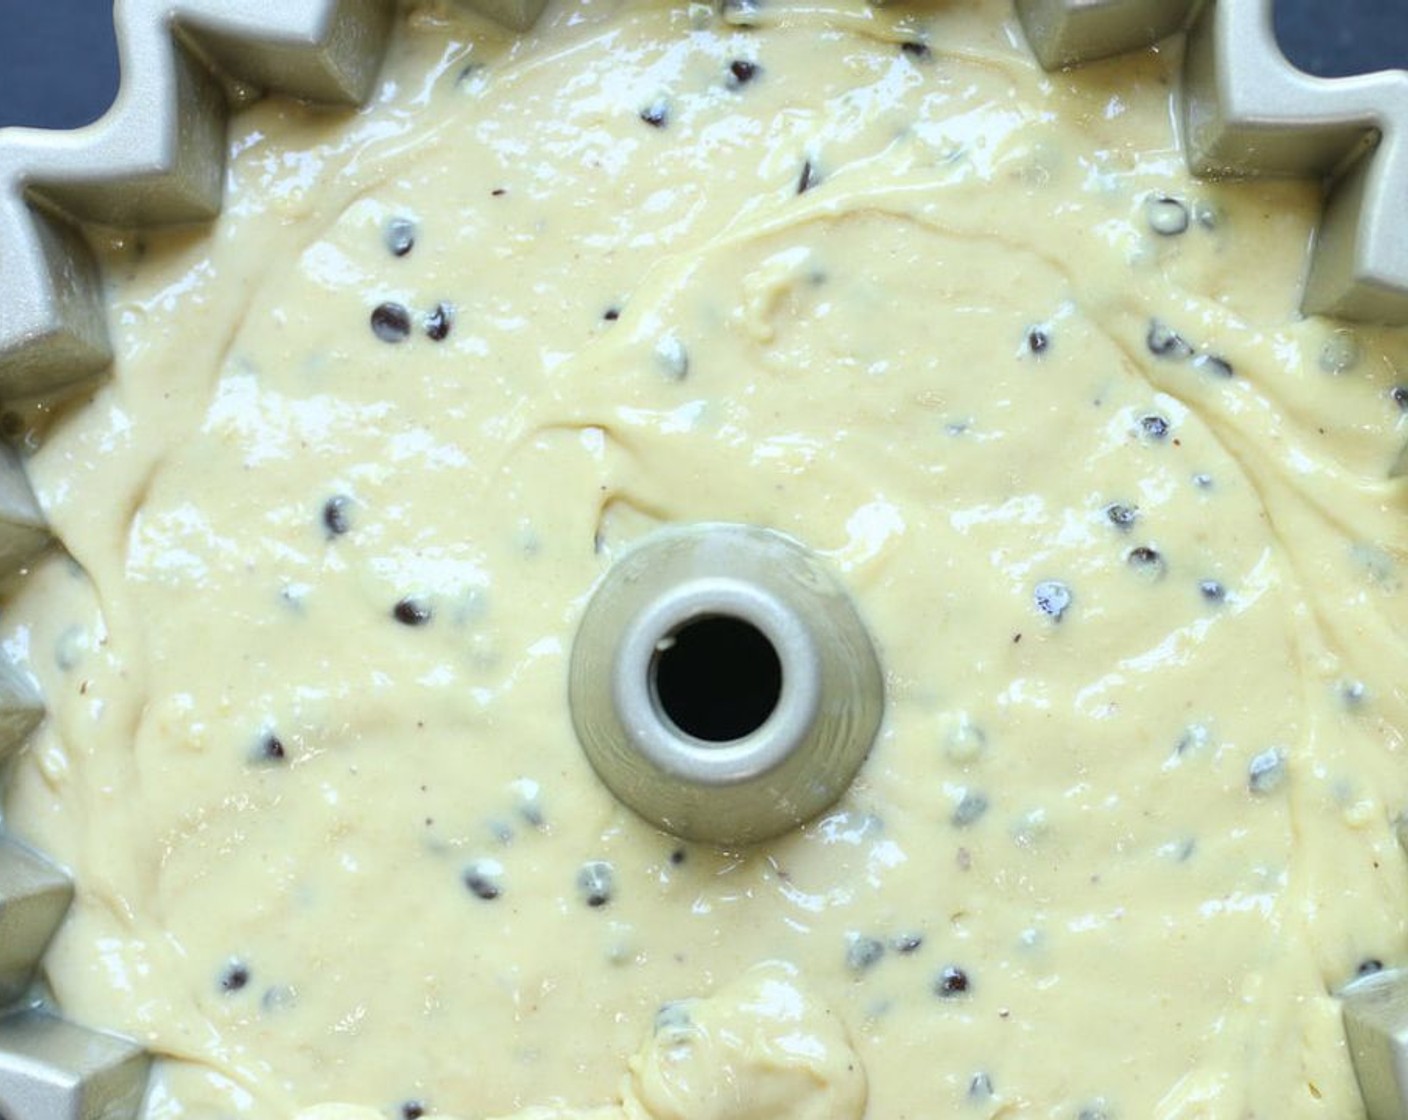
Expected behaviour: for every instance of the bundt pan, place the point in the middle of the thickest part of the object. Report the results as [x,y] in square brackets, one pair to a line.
[157,158]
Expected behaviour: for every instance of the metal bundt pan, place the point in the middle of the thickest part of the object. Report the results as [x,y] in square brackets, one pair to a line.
[157,158]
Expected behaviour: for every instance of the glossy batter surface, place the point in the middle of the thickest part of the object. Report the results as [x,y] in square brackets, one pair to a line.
[1116,516]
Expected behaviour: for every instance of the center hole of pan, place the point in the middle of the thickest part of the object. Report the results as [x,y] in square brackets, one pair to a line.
[716,678]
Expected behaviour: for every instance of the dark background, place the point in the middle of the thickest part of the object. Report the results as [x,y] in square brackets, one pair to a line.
[58,64]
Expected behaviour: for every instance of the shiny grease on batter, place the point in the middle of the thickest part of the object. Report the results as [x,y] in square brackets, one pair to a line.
[1115,514]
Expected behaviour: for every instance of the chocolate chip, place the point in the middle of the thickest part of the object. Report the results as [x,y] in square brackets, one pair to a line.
[1369,967]
[1121,516]
[673,1016]
[611,314]
[498,192]
[970,809]
[1399,393]
[271,749]
[741,72]
[411,612]
[808,178]
[678,856]
[1153,425]
[863,953]
[1038,340]
[278,998]
[337,515]
[1167,216]
[672,357]
[391,322]
[1052,598]
[596,883]
[1212,590]
[916,50]
[980,1087]
[906,943]
[484,878]
[1340,352]
[412,1110]
[1211,363]
[1164,342]
[235,977]
[1146,560]
[439,322]
[656,114]
[1267,771]
[400,236]
[951,983]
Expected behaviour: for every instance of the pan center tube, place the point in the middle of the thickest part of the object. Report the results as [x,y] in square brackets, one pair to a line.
[723,685]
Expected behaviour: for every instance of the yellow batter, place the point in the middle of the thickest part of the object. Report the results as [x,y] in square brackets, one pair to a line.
[1115,515]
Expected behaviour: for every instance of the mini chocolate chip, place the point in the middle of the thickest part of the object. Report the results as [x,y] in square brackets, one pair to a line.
[484,878]
[1146,559]
[906,943]
[1164,342]
[678,856]
[596,883]
[400,236]
[1038,340]
[611,314]
[863,953]
[271,749]
[411,612]
[1267,771]
[1193,738]
[1202,481]
[235,977]
[1218,367]
[1052,598]
[412,1110]
[1153,425]
[439,322]
[498,192]
[337,517]
[673,1016]
[656,114]
[391,322]
[278,998]
[1340,352]
[1399,393]
[1121,516]
[1212,590]
[915,49]
[741,72]
[970,809]
[1167,216]
[951,983]
[980,1087]
[808,178]
[1369,966]
[672,357]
